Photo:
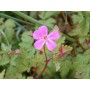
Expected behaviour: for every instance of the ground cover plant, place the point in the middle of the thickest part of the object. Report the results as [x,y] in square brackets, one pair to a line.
[44,45]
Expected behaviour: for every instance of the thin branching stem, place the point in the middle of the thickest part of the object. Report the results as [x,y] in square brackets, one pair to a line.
[46,63]
[45,52]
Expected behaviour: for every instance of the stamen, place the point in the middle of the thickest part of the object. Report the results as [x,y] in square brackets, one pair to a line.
[45,37]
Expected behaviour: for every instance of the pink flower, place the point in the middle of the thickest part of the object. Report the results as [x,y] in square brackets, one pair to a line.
[42,37]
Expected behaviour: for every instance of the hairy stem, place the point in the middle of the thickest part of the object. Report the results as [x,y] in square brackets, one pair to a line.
[45,52]
[45,64]
[42,70]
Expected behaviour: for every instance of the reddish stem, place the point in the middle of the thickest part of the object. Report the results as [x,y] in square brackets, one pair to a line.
[45,64]
[42,70]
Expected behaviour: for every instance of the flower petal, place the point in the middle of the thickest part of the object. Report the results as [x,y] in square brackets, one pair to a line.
[39,44]
[50,45]
[54,35]
[37,34]
[42,31]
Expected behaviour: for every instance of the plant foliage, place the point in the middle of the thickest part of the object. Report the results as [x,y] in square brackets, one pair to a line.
[20,60]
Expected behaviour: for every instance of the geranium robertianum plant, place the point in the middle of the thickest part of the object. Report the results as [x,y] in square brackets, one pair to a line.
[33,59]
[21,56]
[42,40]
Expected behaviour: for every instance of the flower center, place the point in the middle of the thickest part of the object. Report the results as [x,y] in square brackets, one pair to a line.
[45,37]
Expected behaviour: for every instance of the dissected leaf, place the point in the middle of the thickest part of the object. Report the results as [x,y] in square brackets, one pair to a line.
[65,68]
[10,23]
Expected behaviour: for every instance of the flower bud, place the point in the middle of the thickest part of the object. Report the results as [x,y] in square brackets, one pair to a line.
[41,52]
[17,51]
[62,51]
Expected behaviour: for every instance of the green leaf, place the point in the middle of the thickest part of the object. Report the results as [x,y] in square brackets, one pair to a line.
[10,23]
[57,65]
[81,65]
[75,32]
[2,74]
[10,34]
[66,47]
[27,41]
[5,48]
[4,62]
[15,71]
[1,20]
[22,62]
[48,22]
[66,66]
[59,43]
[56,27]
[12,62]
[78,18]
[81,25]
[46,15]
[82,72]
